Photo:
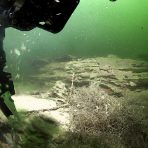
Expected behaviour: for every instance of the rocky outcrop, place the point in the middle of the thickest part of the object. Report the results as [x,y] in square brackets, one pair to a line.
[113,74]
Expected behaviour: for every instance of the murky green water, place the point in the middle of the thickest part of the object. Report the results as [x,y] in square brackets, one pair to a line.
[103,43]
[97,28]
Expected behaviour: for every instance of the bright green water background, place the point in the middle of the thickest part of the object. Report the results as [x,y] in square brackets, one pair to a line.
[97,28]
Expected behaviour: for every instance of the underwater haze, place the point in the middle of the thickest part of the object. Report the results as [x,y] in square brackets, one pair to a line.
[97,27]
[86,86]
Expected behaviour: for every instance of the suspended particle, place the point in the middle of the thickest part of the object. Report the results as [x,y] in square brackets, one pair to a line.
[17,52]
[23,47]
[17,76]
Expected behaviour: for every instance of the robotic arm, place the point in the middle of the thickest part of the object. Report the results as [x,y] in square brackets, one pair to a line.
[6,84]
[25,15]
[50,15]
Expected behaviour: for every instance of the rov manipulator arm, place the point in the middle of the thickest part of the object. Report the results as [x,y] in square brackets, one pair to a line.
[25,15]
[6,84]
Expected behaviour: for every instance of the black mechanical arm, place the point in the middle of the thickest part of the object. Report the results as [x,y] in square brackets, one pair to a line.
[50,15]
[25,15]
[6,84]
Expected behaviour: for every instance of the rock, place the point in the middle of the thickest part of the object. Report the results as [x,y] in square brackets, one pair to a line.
[60,90]
[9,139]
[4,145]
[85,75]
[45,95]
[64,58]
[93,75]
[37,63]
[30,103]
[132,84]
[82,83]
[6,138]
[60,116]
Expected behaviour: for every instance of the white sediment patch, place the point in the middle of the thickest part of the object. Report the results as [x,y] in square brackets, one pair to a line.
[30,103]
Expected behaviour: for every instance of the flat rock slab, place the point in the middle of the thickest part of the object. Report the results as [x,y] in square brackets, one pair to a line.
[30,103]
[61,116]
